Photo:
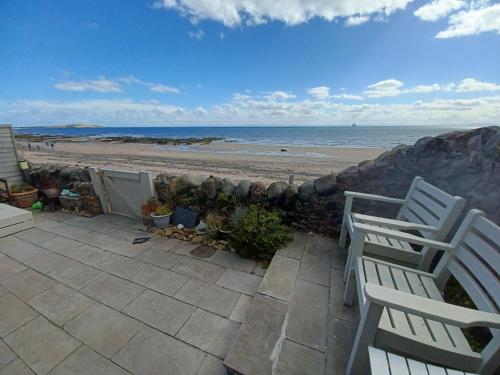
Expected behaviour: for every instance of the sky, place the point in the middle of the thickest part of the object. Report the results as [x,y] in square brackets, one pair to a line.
[250,62]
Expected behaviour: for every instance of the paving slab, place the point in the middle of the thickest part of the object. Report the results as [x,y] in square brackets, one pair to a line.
[103,329]
[113,291]
[89,255]
[9,267]
[337,308]
[208,296]
[44,223]
[159,311]
[67,230]
[163,243]
[84,361]
[339,256]
[252,351]
[159,279]
[126,248]
[307,321]
[17,367]
[95,239]
[316,261]
[34,235]
[41,344]
[3,290]
[240,310]
[76,275]
[183,248]
[59,304]
[46,262]
[209,332]
[21,250]
[28,284]
[238,281]
[198,269]
[212,366]
[153,352]
[121,266]
[127,234]
[159,257]
[13,314]
[294,249]
[280,277]
[341,335]
[6,355]
[295,359]
[232,260]
[60,245]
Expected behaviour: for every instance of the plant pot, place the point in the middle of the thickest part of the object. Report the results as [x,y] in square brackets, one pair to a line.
[24,199]
[161,221]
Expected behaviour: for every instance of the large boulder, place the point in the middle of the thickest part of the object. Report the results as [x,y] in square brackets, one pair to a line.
[71,174]
[241,191]
[326,184]
[306,191]
[211,187]
[185,183]
[227,187]
[162,186]
[275,191]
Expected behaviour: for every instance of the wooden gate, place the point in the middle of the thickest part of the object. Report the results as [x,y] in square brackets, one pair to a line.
[122,192]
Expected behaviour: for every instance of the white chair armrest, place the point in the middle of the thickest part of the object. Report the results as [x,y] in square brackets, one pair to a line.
[431,309]
[396,224]
[403,236]
[373,197]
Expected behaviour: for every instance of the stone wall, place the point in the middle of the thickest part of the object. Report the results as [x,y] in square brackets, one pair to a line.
[465,163]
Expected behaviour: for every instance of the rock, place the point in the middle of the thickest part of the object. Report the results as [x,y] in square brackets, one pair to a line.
[275,190]
[183,184]
[74,174]
[227,186]
[289,196]
[162,186]
[83,188]
[197,239]
[348,176]
[475,143]
[306,190]
[326,184]
[241,191]
[368,169]
[211,187]
[257,192]
[492,146]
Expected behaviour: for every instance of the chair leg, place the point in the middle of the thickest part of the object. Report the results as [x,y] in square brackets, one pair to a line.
[365,334]
[343,236]
[350,289]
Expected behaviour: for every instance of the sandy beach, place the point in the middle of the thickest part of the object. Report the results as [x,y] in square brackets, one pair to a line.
[234,161]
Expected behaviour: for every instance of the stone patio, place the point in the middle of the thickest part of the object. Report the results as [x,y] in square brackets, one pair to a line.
[76,297]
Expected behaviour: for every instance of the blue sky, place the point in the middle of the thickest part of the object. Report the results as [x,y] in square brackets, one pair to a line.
[235,62]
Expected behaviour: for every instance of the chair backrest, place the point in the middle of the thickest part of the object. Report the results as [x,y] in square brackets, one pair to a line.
[428,205]
[475,264]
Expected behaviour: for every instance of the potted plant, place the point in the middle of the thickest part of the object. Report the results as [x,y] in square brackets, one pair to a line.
[214,224]
[161,216]
[23,196]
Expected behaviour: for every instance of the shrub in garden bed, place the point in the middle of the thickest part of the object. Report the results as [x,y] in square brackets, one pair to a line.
[258,232]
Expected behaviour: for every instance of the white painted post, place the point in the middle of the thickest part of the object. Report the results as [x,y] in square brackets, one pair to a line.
[99,189]
[147,187]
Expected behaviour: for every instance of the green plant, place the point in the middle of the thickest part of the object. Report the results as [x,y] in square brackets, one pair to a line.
[224,202]
[236,216]
[163,210]
[214,221]
[259,232]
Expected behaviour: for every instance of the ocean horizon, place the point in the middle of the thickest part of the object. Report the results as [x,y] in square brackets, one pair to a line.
[319,136]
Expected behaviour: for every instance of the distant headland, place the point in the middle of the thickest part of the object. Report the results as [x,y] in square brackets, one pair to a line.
[73,126]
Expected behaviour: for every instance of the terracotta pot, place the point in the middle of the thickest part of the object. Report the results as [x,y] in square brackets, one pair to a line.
[24,199]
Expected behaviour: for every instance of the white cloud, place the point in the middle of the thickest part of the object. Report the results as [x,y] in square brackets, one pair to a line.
[255,110]
[389,87]
[470,85]
[473,21]
[356,20]
[348,96]
[291,12]
[100,85]
[438,9]
[280,95]
[164,89]
[320,93]
[424,89]
[196,34]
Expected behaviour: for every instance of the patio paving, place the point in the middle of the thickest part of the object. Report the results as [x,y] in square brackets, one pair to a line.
[76,297]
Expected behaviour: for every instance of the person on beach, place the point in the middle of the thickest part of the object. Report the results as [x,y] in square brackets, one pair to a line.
[52,145]
[29,146]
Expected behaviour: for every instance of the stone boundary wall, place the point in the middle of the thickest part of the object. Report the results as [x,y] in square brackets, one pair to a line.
[465,163]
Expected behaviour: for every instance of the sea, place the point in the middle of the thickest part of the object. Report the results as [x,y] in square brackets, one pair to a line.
[322,136]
